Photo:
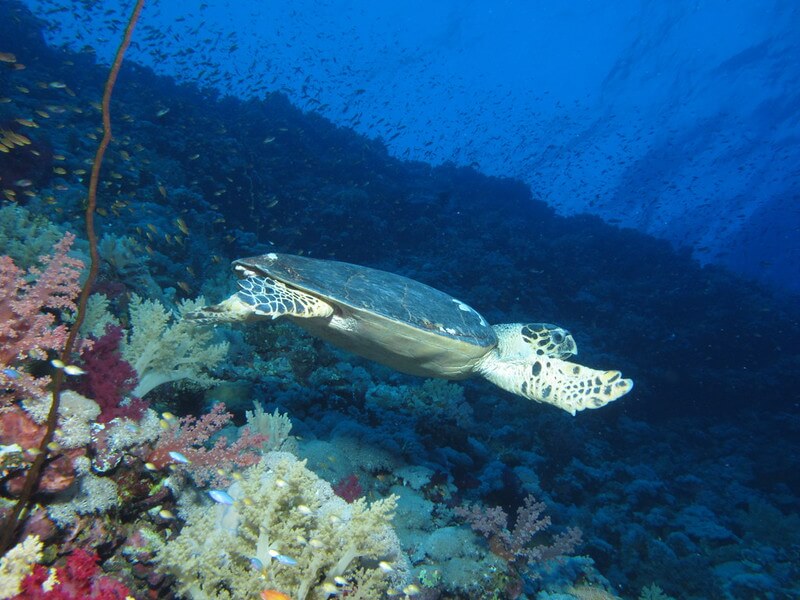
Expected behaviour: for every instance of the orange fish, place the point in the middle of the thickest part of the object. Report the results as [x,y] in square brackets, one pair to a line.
[274,595]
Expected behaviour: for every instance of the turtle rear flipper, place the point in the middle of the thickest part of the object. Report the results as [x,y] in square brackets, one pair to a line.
[566,385]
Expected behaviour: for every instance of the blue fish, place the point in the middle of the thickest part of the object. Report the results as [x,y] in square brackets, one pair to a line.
[220,496]
[282,558]
[256,564]
[179,458]
[11,373]
[285,560]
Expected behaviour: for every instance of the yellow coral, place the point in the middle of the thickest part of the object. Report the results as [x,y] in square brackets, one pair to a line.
[17,564]
[589,592]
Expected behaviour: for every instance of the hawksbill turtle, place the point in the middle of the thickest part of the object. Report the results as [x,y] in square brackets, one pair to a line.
[414,328]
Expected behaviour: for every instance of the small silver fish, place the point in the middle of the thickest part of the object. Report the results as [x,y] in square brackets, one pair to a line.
[220,496]
[179,458]
[282,558]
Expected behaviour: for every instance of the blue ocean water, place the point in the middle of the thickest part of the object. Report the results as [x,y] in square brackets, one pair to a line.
[627,172]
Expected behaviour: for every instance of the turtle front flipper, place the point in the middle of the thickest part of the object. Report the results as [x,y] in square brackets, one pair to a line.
[263,297]
[527,362]
[272,298]
[566,385]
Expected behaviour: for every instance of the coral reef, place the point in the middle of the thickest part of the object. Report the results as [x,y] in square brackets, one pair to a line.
[518,546]
[25,427]
[26,237]
[109,379]
[276,427]
[80,578]
[694,474]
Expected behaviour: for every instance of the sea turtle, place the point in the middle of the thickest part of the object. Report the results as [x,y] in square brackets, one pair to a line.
[414,328]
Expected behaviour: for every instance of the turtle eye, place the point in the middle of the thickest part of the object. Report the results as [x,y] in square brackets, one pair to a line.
[558,337]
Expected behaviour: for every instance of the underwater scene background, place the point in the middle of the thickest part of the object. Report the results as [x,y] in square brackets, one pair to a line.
[645,199]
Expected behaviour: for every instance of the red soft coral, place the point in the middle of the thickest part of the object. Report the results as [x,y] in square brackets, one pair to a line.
[109,378]
[29,303]
[348,488]
[80,578]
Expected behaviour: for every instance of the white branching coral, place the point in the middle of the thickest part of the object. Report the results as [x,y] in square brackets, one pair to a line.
[24,236]
[92,495]
[76,414]
[275,426]
[98,316]
[286,530]
[162,347]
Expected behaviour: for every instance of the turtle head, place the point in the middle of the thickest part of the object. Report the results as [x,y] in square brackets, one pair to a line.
[546,339]
[525,340]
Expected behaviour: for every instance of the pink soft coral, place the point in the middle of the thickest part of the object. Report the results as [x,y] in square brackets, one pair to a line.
[522,547]
[215,464]
[29,303]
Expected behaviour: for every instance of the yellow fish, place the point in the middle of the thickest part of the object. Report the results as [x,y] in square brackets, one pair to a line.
[182,225]
[274,595]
